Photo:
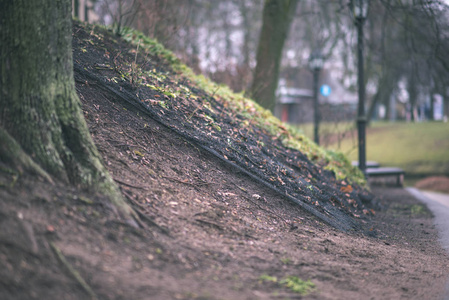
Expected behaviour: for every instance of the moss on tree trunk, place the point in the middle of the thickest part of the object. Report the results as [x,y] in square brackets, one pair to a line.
[39,107]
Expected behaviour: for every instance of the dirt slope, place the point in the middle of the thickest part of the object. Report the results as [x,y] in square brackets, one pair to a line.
[211,230]
[252,145]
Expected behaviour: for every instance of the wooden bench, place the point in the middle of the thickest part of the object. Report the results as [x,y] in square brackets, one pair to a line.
[387,172]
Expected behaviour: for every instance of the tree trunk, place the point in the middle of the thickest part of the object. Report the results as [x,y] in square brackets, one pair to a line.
[432,106]
[413,95]
[383,93]
[445,107]
[244,12]
[76,8]
[277,17]
[39,108]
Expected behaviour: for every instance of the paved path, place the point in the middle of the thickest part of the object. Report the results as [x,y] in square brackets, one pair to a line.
[439,205]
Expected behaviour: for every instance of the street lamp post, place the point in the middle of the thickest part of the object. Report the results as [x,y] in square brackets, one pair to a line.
[316,62]
[360,11]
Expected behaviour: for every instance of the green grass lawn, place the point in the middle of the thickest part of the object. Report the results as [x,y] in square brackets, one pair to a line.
[418,148]
[330,132]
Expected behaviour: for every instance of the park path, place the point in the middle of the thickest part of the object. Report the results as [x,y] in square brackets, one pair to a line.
[439,205]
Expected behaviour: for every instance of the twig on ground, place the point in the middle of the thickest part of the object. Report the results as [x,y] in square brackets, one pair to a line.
[219,227]
[130,185]
[209,223]
[126,144]
[188,183]
[145,217]
[154,142]
[269,211]
[194,112]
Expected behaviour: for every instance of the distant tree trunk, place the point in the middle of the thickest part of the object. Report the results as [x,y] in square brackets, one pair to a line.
[86,11]
[383,93]
[445,106]
[244,12]
[76,9]
[413,95]
[432,106]
[277,17]
[41,121]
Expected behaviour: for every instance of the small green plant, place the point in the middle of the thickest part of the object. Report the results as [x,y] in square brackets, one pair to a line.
[417,209]
[268,278]
[136,72]
[286,261]
[297,285]
[163,104]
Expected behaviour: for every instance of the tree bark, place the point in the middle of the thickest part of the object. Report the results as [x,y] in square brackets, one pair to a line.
[277,17]
[39,107]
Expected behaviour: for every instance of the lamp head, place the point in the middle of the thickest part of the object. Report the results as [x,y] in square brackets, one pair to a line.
[360,8]
[316,60]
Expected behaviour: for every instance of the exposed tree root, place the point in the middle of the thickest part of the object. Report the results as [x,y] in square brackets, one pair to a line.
[19,162]
[12,154]
[74,273]
[143,216]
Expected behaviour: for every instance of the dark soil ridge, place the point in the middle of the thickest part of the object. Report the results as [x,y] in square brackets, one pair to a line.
[247,148]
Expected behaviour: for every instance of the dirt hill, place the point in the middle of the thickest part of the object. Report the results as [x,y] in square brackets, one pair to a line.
[230,207]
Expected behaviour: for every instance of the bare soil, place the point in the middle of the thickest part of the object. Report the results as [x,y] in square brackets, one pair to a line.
[434,183]
[210,231]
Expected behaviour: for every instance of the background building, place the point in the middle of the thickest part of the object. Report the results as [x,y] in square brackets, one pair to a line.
[294,102]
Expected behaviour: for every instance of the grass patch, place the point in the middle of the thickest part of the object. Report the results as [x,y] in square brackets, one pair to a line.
[298,285]
[418,209]
[294,283]
[331,133]
[418,148]
[267,278]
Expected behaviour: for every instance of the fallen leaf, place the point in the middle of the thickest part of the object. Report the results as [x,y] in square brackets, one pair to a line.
[346,189]
[139,153]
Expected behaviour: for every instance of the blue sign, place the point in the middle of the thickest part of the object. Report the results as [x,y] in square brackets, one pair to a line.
[325,90]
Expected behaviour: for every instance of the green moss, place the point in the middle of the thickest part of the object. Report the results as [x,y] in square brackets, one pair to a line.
[267,278]
[297,285]
[294,283]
